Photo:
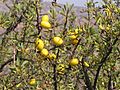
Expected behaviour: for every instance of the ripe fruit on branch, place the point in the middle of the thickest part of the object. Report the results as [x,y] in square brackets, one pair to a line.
[57,41]
[74,62]
[32,81]
[52,56]
[74,41]
[44,52]
[73,35]
[45,24]
[39,44]
[45,18]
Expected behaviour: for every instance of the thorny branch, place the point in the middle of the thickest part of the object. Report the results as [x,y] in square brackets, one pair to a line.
[13,26]
[55,73]
[11,60]
[87,79]
[38,20]
[103,60]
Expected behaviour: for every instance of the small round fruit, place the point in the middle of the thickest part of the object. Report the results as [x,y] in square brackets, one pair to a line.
[39,44]
[75,41]
[44,52]
[61,68]
[52,56]
[32,81]
[45,24]
[86,64]
[57,41]
[73,35]
[45,18]
[74,62]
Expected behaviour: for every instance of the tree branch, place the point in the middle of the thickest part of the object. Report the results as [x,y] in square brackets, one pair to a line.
[87,79]
[103,60]
[11,60]
[38,20]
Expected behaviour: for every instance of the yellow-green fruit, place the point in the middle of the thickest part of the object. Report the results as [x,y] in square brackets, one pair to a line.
[32,82]
[74,41]
[57,41]
[86,64]
[52,56]
[44,52]
[74,62]
[73,35]
[45,18]
[45,24]
[61,68]
[39,44]
[107,28]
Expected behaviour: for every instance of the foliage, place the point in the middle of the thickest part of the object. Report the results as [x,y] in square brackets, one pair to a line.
[97,47]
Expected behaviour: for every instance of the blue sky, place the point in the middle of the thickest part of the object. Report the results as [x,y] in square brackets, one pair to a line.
[76,2]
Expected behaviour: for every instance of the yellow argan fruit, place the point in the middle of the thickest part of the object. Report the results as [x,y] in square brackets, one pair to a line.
[57,41]
[32,81]
[86,64]
[107,28]
[74,41]
[73,35]
[74,62]
[45,24]
[45,18]
[52,56]
[44,52]
[39,44]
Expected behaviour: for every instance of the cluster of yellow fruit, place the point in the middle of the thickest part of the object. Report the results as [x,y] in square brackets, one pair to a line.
[40,47]
[72,62]
[45,22]
[73,36]
[57,41]
[43,51]
[75,61]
